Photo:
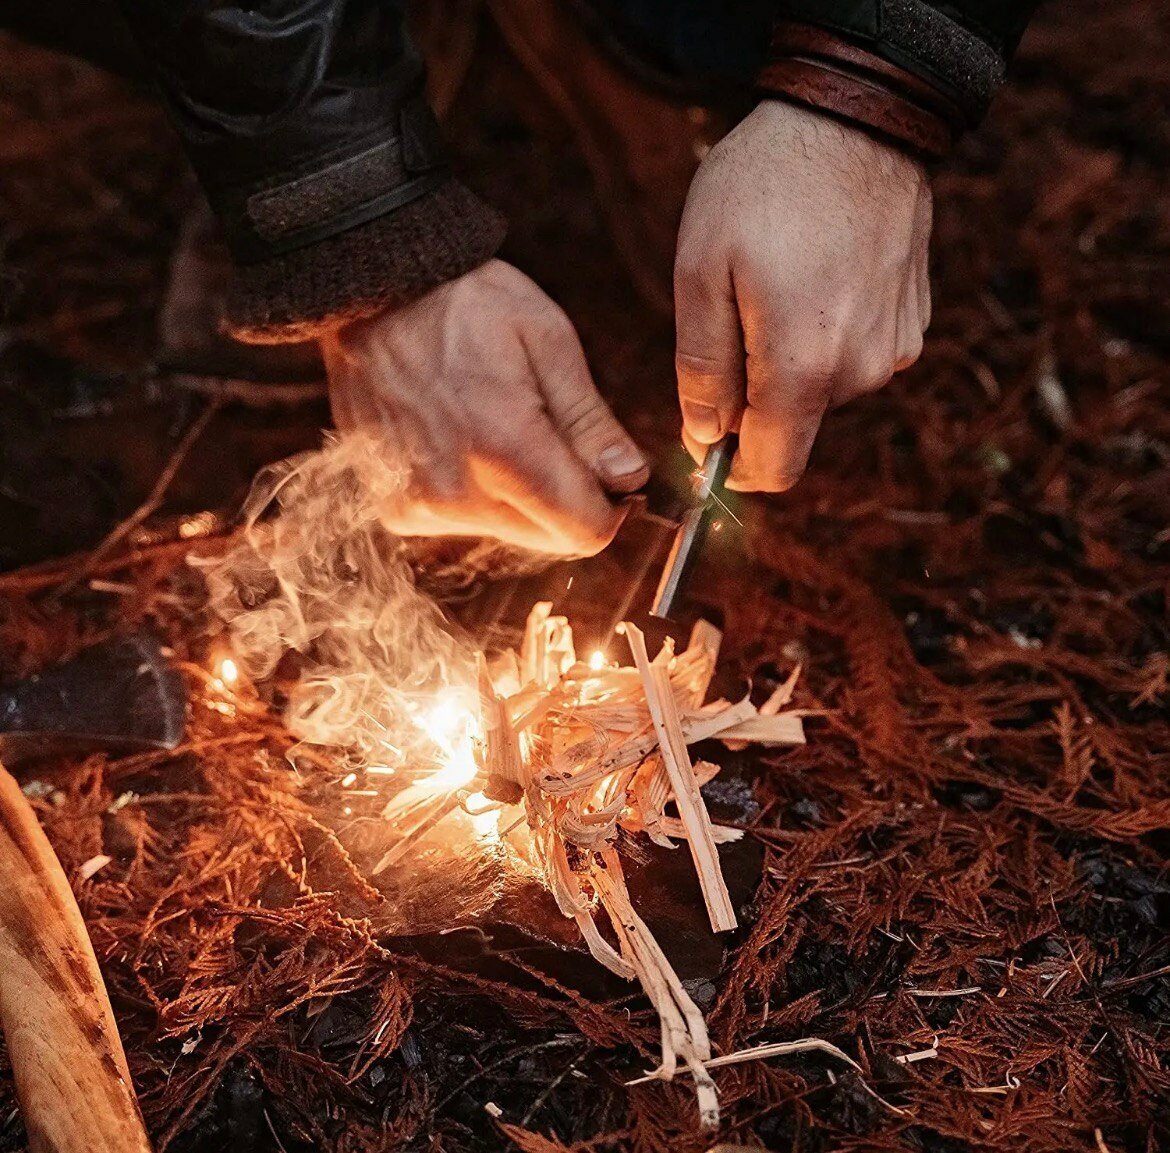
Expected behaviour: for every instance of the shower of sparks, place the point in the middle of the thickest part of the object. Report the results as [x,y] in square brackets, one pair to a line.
[723,505]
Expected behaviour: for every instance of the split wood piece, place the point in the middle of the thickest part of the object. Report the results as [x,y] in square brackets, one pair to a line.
[566,888]
[650,796]
[71,1078]
[547,652]
[424,816]
[684,1032]
[499,744]
[780,729]
[694,667]
[779,698]
[652,791]
[722,834]
[771,1049]
[691,809]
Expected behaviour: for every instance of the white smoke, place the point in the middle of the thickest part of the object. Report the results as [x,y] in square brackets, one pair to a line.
[318,587]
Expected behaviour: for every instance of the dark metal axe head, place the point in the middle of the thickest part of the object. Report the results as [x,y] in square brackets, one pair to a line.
[122,695]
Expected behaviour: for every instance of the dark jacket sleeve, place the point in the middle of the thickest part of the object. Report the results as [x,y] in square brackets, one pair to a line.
[918,72]
[307,125]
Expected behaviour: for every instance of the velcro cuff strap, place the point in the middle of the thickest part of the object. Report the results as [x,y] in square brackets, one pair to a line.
[348,192]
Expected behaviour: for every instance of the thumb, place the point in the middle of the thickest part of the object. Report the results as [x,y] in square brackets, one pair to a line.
[709,356]
[578,411]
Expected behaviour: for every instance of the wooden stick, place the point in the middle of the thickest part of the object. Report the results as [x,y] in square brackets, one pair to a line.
[773,1049]
[71,1077]
[691,809]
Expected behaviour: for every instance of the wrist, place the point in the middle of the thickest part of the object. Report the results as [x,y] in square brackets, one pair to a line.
[818,69]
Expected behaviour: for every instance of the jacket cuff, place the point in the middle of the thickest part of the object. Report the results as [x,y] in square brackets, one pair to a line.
[376,265]
[823,70]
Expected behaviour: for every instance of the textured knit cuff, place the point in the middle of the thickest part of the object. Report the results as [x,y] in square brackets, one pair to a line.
[383,263]
[819,68]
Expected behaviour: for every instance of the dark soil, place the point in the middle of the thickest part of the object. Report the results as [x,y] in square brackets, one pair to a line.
[975,575]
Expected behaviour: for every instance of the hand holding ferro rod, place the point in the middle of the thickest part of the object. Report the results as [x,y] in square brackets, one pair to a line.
[692,532]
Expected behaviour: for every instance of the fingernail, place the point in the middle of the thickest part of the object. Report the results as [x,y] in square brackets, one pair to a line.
[620,460]
[702,421]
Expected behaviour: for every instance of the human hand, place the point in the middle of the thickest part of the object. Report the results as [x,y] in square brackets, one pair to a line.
[482,388]
[800,283]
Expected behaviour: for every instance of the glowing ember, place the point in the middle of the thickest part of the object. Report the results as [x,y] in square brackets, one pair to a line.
[458,770]
[451,725]
[597,661]
[228,672]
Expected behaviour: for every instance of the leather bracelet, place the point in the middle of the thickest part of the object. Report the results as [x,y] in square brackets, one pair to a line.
[805,41]
[860,102]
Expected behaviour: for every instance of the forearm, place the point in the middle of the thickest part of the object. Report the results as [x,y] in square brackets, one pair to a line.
[308,129]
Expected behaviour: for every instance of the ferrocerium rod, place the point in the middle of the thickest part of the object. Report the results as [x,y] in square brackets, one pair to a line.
[692,532]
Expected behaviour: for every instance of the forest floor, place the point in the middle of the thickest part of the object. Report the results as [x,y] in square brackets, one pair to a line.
[968,863]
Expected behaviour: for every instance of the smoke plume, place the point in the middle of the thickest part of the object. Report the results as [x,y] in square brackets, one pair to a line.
[319,588]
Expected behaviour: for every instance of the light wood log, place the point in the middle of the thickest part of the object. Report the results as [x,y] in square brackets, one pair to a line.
[71,1078]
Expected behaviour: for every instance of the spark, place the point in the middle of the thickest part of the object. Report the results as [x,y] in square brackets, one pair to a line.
[716,498]
[597,661]
[228,672]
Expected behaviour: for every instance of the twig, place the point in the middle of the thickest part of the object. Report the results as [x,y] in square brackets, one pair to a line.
[35,578]
[147,508]
[1129,982]
[762,1052]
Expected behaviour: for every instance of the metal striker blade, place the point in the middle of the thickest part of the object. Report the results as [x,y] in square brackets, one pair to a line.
[693,529]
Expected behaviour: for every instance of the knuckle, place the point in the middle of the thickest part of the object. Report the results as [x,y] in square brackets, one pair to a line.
[588,535]
[703,373]
[693,273]
[583,416]
[814,365]
[911,351]
[783,481]
[688,268]
[552,322]
[799,394]
[773,480]
[875,376]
